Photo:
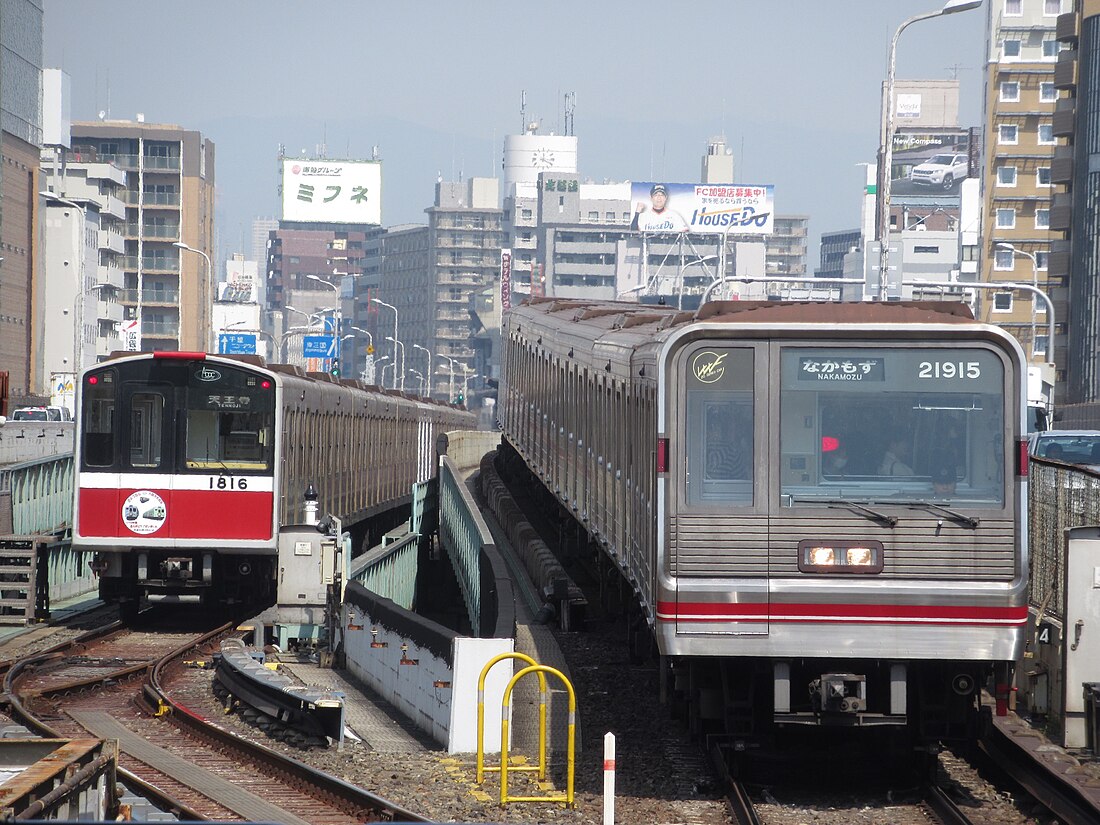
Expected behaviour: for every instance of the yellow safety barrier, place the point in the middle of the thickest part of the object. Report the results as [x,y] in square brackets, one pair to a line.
[506,712]
[481,769]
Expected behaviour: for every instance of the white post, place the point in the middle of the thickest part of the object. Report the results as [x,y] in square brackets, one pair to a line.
[609,779]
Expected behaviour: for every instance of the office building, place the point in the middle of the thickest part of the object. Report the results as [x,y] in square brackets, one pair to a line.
[169,197]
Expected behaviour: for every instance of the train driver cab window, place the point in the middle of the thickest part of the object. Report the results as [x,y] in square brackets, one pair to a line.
[99,404]
[229,425]
[146,429]
[893,425]
[719,427]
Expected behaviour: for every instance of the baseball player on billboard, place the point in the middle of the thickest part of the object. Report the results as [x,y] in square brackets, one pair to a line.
[656,216]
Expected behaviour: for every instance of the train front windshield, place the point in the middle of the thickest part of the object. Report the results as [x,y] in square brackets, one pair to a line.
[892,424]
[173,415]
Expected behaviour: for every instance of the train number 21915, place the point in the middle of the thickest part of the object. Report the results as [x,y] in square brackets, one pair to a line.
[950,369]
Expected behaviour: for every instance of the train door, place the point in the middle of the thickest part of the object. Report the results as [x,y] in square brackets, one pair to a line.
[719,536]
[147,457]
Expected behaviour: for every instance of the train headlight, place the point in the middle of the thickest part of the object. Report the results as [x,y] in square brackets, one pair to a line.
[840,557]
[860,556]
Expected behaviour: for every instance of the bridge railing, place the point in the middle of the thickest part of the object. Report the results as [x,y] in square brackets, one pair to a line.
[36,515]
[1060,496]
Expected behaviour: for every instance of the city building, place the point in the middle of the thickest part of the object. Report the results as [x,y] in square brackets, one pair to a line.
[82,249]
[313,272]
[261,228]
[168,231]
[785,248]
[1021,94]
[429,274]
[834,246]
[1075,260]
[20,141]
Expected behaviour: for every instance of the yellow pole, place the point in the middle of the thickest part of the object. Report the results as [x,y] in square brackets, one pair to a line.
[571,753]
[481,769]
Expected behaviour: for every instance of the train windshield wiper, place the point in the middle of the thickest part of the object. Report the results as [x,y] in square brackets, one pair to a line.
[969,521]
[866,512]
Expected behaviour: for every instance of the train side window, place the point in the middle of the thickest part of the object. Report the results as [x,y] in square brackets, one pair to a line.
[146,429]
[99,407]
[719,431]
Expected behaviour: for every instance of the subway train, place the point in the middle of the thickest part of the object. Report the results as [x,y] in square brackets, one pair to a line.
[189,464]
[818,510]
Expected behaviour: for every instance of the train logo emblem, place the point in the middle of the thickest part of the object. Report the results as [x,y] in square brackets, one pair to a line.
[207,374]
[143,512]
[708,366]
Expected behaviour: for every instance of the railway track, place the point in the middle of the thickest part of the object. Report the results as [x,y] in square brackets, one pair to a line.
[108,684]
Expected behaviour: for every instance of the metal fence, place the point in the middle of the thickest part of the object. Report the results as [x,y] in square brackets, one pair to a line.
[1060,496]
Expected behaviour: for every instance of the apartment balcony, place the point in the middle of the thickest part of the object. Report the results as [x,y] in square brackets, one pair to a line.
[132,197]
[109,311]
[169,232]
[1065,29]
[110,240]
[166,265]
[1061,212]
[155,163]
[115,207]
[128,162]
[111,275]
[1061,166]
[105,171]
[160,329]
[1065,117]
[1065,71]
[1058,263]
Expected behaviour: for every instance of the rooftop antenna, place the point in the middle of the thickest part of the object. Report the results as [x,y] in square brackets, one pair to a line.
[523,111]
[570,109]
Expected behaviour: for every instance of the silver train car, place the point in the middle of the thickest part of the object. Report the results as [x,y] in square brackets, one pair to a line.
[188,465]
[820,508]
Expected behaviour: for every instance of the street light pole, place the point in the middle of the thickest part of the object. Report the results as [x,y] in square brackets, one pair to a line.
[397,343]
[392,307]
[1035,283]
[419,375]
[886,152]
[431,377]
[451,385]
[209,277]
[368,361]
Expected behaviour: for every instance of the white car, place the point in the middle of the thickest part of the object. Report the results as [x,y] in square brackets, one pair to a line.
[941,170]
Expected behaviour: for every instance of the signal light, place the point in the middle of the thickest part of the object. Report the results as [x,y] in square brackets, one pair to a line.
[335,371]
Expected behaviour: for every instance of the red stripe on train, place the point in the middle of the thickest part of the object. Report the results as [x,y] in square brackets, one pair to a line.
[777,612]
[189,514]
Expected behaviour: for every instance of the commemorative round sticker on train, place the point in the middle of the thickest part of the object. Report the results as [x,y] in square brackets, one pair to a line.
[143,512]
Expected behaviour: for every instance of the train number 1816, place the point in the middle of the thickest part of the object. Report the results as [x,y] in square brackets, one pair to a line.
[950,369]
[228,483]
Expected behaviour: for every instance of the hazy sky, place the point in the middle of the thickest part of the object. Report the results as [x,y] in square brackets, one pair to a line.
[793,85]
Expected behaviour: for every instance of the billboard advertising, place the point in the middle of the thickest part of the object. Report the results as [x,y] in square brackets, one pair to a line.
[240,283]
[505,279]
[702,208]
[325,191]
[930,166]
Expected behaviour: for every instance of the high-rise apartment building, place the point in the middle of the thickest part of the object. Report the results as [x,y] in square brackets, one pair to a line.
[20,140]
[1075,260]
[429,275]
[1020,99]
[169,197]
